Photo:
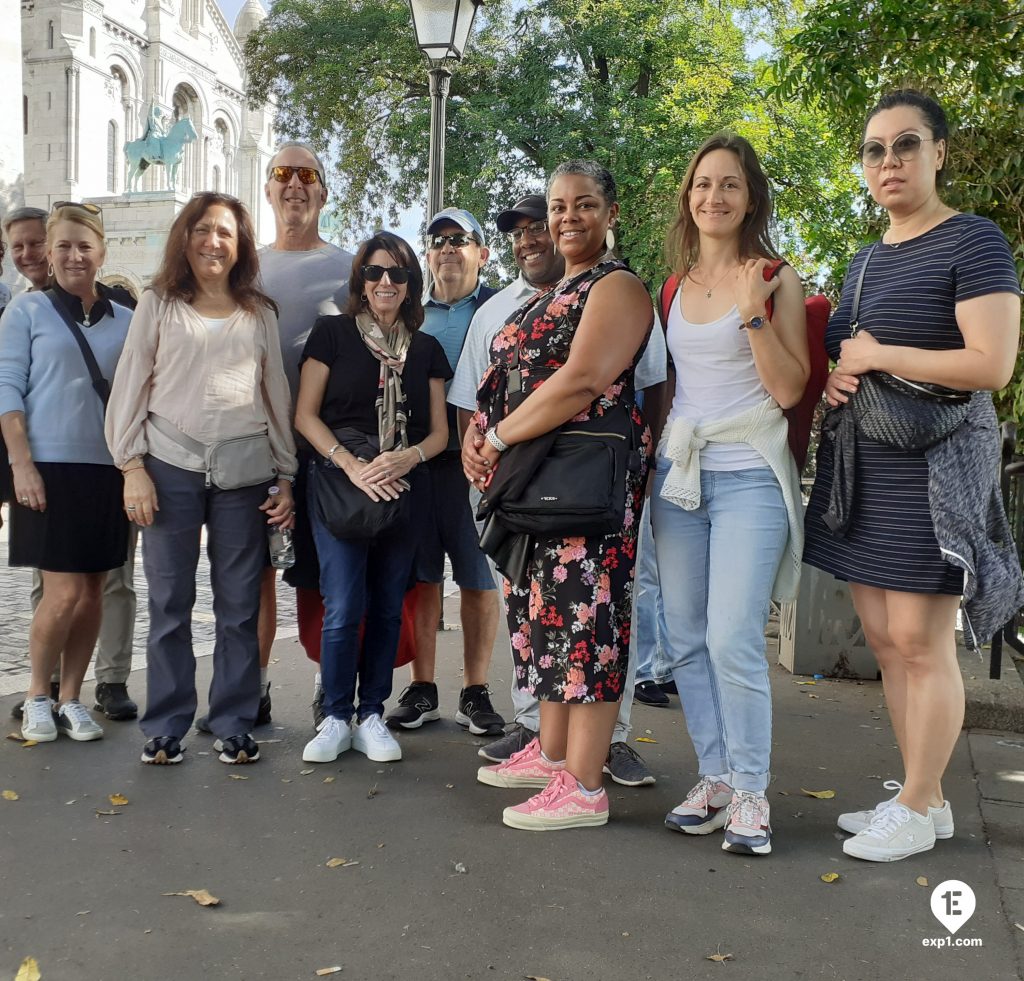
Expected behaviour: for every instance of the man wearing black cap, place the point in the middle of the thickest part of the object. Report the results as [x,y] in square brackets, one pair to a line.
[540,268]
[456,252]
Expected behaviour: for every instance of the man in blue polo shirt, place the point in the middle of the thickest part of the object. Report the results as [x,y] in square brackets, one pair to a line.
[456,252]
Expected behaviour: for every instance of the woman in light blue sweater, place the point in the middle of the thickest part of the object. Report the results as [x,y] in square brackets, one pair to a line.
[67,518]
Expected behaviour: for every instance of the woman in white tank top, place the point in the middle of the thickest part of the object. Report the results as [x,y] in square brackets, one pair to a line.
[725,509]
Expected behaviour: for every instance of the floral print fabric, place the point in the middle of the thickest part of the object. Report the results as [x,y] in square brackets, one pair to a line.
[570,629]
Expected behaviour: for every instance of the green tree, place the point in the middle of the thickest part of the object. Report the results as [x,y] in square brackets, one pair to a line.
[846,53]
[635,84]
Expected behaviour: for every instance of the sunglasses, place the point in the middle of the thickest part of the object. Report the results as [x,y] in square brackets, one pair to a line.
[89,209]
[398,275]
[457,241]
[904,148]
[535,228]
[308,175]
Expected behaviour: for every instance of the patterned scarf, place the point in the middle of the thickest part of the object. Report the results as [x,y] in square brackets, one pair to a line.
[390,349]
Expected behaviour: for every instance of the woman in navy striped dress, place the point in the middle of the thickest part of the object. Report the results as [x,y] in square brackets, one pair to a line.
[940,303]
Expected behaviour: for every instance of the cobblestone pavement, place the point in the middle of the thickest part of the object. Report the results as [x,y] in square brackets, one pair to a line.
[16,615]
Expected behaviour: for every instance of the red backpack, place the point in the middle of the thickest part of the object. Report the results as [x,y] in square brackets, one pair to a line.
[801,415]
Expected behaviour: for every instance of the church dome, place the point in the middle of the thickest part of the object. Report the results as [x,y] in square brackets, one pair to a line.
[249,18]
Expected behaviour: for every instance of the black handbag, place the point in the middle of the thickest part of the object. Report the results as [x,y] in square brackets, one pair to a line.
[345,510]
[570,483]
[908,415]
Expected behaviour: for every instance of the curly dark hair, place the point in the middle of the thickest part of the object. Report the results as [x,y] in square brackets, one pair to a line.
[175,280]
[682,244]
[399,250]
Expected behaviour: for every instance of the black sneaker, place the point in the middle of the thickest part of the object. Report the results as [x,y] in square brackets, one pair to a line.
[162,750]
[668,687]
[18,711]
[113,701]
[416,705]
[650,693]
[627,767]
[477,713]
[263,713]
[238,749]
[516,738]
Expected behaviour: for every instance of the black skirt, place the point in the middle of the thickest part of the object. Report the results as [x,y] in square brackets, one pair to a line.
[84,527]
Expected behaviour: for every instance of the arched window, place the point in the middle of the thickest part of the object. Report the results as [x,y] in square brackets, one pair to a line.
[92,42]
[191,176]
[112,157]
[49,35]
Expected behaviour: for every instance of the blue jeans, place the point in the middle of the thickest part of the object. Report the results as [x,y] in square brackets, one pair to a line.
[648,609]
[360,578]
[718,564]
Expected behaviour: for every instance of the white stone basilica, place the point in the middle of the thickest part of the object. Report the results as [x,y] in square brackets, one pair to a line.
[82,77]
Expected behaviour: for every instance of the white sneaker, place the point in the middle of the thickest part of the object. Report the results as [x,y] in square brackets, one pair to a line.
[374,739]
[332,739]
[37,722]
[895,832]
[857,821]
[74,720]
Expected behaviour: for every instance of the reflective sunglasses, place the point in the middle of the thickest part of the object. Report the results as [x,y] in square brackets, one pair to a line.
[308,175]
[90,209]
[398,275]
[535,228]
[459,240]
[905,148]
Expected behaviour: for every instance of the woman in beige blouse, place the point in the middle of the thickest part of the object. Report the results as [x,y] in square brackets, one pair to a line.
[202,364]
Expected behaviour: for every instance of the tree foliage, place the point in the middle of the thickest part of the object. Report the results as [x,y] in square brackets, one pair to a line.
[846,53]
[635,84]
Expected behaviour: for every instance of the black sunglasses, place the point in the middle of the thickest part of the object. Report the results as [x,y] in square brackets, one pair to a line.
[398,275]
[308,175]
[905,148]
[458,240]
[90,209]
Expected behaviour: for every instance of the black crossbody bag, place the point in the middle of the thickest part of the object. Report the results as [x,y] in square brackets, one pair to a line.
[99,383]
[908,415]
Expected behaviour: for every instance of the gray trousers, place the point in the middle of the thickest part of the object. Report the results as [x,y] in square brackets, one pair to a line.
[236,545]
[114,649]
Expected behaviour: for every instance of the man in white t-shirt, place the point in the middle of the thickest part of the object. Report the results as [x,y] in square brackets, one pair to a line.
[307,278]
[540,268]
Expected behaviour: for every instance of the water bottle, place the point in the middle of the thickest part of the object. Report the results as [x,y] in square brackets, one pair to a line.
[282,551]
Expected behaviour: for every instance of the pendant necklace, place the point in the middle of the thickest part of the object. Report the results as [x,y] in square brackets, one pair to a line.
[707,292]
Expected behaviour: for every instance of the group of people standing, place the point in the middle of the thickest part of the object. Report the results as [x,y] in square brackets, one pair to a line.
[319,362]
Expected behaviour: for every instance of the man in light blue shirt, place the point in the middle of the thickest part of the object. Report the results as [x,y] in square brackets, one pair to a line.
[540,268]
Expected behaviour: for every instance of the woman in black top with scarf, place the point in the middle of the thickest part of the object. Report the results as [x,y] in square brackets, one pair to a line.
[371,403]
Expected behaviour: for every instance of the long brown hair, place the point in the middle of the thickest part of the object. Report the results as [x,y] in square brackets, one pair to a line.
[174,279]
[682,243]
[399,250]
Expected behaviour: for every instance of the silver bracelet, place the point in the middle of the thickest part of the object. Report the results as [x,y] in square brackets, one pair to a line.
[330,453]
[495,440]
[419,449]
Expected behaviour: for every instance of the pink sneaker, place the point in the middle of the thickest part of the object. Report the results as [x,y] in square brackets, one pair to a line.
[558,806]
[527,768]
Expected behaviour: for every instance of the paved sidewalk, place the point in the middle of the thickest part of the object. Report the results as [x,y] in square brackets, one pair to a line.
[443,891]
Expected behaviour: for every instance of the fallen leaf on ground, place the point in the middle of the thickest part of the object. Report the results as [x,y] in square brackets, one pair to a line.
[9,795]
[285,780]
[830,877]
[449,786]
[719,956]
[807,682]
[238,776]
[536,977]
[329,779]
[1019,926]
[100,813]
[372,792]
[922,880]
[644,739]
[83,912]
[460,868]
[29,970]
[118,800]
[16,736]
[324,971]
[201,896]
[820,794]
[340,863]
[305,773]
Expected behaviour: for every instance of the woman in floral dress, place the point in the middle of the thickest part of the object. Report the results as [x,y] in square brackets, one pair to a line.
[570,622]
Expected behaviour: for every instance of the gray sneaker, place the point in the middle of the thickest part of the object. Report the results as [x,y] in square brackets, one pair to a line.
[74,720]
[517,737]
[627,767]
[856,821]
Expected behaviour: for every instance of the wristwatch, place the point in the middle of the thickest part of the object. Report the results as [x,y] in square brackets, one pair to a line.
[754,323]
[495,440]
